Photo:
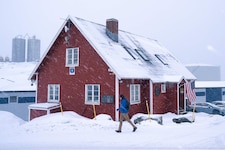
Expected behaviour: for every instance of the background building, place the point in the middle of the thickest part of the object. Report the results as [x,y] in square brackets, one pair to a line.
[18,49]
[208,85]
[33,49]
[208,91]
[205,72]
[22,52]
[16,91]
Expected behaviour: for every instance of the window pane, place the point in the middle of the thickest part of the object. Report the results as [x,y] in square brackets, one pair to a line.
[56,92]
[69,56]
[89,88]
[95,98]
[75,57]
[89,93]
[51,92]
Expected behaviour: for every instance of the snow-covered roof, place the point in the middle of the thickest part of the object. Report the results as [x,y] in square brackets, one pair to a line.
[201,65]
[133,56]
[44,106]
[14,76]
[209,84]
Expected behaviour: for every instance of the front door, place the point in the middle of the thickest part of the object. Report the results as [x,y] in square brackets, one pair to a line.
[182,104]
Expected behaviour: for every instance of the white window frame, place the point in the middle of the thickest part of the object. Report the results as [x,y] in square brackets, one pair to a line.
[135,93]
[90,95]
[54,93]
[73,59]
[163,88]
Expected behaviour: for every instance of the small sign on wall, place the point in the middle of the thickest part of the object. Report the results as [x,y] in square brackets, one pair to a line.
[72,70]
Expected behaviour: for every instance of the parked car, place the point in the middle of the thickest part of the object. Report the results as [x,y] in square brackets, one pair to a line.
[219,103]
[207,108]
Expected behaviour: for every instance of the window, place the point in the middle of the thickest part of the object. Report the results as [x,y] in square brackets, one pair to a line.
[200,93]
[53,92]
[26,99]
[142,54]
[13,99]
[135,93]
[92,94]
[162,58]
[129,51]
[3,100]
[72,57]
[163,88]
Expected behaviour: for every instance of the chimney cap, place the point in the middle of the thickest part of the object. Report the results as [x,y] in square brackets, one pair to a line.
[112,19]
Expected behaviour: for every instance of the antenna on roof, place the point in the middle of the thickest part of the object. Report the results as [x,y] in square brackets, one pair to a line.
[67,29]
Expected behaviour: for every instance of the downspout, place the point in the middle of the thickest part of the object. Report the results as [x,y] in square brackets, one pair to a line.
[185,97]
[116,98]
[178,98]
[36,87]
[151,96]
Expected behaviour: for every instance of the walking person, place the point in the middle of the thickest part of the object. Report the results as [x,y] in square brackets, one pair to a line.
[124,108]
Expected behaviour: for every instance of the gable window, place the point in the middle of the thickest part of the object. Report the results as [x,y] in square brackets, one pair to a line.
[135,93]
[92,94]
[72,57]
[53,92]
[163,88]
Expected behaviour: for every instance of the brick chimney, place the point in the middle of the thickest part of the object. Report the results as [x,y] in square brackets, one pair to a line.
[112,29]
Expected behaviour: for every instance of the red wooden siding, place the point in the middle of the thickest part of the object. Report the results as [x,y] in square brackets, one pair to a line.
[165,102]
[37,113]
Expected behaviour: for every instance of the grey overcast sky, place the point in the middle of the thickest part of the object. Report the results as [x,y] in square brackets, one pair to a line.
[193,30]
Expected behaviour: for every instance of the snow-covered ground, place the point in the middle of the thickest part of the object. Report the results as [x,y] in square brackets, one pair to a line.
[68,130]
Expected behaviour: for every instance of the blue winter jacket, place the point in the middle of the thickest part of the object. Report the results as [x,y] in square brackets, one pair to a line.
[122,107]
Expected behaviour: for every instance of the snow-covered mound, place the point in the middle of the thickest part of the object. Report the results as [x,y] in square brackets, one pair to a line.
[9,120]
[68,130]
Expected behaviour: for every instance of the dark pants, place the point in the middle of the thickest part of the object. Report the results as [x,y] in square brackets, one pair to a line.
[124,116]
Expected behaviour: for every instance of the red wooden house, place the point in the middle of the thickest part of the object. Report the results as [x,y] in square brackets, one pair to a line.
[91,64]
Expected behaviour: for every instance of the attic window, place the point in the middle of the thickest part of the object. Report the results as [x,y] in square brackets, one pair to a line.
[72,57]
[142,54]
[161,58]
[129,52]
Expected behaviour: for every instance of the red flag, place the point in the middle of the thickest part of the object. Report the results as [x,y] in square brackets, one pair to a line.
[190,92]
